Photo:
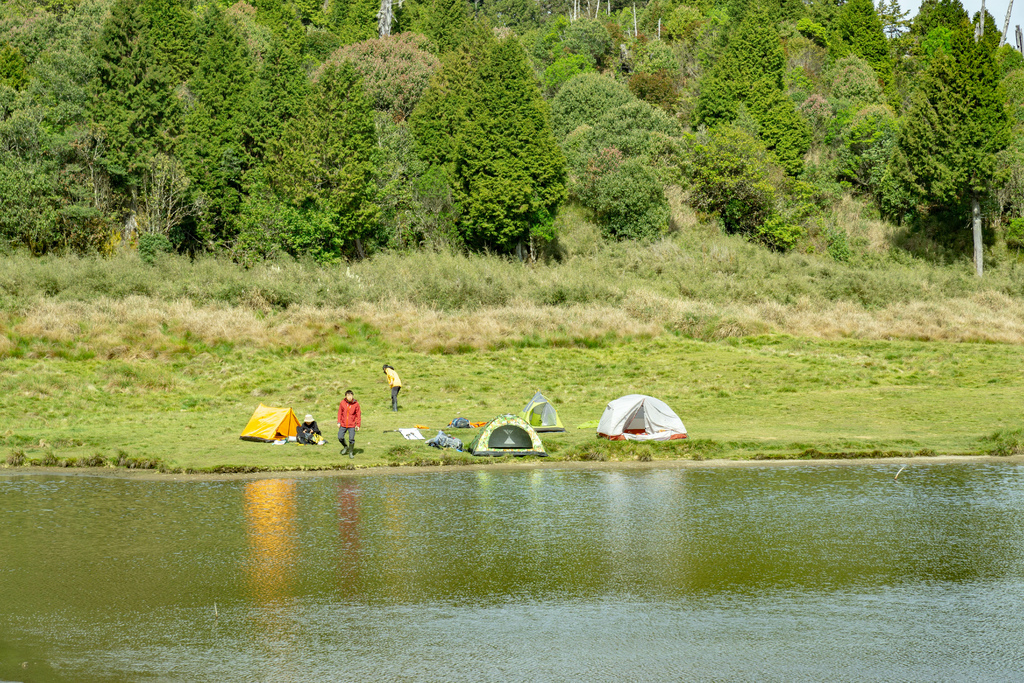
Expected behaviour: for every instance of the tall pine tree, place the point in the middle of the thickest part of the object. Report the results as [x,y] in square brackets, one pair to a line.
[752,74]
[956,126]
[859,29]
[487,126]
[277,96]
[133,100]
[213,149]
[323,167]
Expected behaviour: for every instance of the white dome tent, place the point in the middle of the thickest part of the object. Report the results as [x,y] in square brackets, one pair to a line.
[640,418]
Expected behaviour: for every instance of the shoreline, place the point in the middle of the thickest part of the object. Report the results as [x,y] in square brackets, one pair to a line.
[405,470]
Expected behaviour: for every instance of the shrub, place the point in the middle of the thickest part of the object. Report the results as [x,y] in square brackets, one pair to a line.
[817,111]
[683,23]
[838,244]
[866,144]
[395,70]
[854,82]
[655,56]
[16,458]
[13,70]
[584,99]
[813,30]
[588,38]
[657,88]
[624,196]
[1015,233]
[563,69]
[1013,88]
[778,234]
[1008,60]
[152,244]
[630,128]
[729,171]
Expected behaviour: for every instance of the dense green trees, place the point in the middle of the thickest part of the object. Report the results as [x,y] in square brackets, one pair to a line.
[490,130]
[955,128]
[287,126]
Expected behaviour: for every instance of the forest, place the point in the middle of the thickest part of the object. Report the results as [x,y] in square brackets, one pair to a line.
[332,131]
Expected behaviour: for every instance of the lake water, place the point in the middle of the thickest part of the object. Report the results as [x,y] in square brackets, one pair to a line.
[793,573]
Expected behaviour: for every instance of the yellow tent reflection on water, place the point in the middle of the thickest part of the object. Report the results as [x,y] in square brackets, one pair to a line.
[272,524]
[270,424]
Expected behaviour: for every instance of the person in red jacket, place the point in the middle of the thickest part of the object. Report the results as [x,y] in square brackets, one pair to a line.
[349,420]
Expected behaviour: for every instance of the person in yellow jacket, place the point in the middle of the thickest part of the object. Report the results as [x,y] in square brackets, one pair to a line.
[396,385]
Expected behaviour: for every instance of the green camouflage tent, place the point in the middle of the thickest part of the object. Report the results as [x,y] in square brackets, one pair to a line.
[541,415]
[507,435]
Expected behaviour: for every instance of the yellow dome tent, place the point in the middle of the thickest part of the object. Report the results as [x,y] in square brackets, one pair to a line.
[270,424]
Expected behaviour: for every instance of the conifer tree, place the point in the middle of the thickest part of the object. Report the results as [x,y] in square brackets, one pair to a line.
[172,35]
[213,153]
[510,174]
[894,19]
[779,125]
[956,126]
[13,72]
[323,165]
[133,101]
[445,22]
[278,95]
[281,18]
[752,74]
[755,52]
[485,124]
[859,27]
[936,13]
[354,20]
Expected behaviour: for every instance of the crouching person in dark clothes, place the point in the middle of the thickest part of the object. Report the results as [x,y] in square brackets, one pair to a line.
[309,433]
[349,419]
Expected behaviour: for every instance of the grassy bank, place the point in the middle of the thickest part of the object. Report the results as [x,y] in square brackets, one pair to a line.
[696,283]
[771,396]
[763,355]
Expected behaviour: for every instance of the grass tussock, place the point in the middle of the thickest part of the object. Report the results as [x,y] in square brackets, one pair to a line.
[602,450]
[1004,443]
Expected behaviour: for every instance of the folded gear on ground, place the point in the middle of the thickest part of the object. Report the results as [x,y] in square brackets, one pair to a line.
[442,440]
[640,418]
[507,435]
[269,424]
[541,415]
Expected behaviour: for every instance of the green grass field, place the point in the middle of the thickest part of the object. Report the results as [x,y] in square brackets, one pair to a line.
[744,397]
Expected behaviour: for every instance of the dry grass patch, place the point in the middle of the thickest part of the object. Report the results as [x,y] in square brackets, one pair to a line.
[141,327]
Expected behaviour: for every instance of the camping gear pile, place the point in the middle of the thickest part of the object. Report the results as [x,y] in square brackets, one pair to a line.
[442,440]
[635,417]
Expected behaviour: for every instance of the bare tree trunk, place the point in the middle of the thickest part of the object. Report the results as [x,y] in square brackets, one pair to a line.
[1006,25]
[385,17]
[976,223]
